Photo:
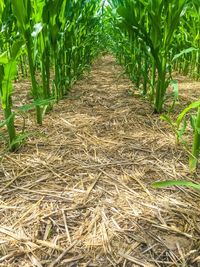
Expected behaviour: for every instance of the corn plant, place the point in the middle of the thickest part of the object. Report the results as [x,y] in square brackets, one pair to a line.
[22,11]
[195,123]
[8,70]
[196,143]
[179,127]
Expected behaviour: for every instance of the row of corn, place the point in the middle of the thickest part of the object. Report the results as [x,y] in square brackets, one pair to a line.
[50,42]
[152,39]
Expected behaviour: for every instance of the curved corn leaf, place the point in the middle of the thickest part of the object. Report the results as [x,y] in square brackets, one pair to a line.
[183,52]
[22,11]
[183,113]
[39,102]
[16,48]
[169,183]
[9,75]
[5,122]
[166,118]
[180,132]
[193,119]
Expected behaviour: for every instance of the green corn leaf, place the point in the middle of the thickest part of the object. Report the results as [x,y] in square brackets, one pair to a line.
[9,75]
[193,119]
[3,58]
[38,9]
[5,122]
[15,49]
[193,160]
[182,130]
[170,183]
[166,118]
[198,129]
[1,8]
[122,11]
[19,139]
[183,52]
[39,102]
[20,13]
[43,102]
[183,113]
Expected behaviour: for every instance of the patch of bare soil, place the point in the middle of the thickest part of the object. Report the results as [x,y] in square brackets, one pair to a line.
[79,192]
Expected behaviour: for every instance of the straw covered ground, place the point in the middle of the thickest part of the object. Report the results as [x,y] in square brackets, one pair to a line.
[79,193]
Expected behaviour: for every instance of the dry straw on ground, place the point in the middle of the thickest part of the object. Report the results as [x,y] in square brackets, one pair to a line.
[79,192]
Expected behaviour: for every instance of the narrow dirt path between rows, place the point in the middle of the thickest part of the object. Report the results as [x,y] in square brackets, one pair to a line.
[79,192]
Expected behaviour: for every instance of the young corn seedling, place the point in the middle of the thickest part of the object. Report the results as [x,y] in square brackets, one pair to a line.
[195,124]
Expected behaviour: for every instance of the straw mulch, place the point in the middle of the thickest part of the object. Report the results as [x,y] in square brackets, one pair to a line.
[79,193]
